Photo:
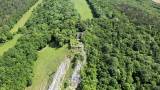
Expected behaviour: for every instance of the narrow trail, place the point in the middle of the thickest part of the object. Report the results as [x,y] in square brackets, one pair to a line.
[11,43]
[58,76]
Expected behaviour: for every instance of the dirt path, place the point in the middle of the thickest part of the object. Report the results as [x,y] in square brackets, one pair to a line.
[58,76]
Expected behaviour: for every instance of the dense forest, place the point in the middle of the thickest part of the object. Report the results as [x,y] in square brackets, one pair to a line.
[122,42]
[123,46]
[10,12]
[52,22]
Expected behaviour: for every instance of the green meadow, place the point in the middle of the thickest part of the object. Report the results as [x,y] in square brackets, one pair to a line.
[47,63]
[83,9]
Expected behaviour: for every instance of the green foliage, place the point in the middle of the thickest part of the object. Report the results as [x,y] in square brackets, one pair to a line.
[66,84]
[122,46]
[10,12]
[122,43]
[77,57]
[5,34]
[9,44]
[53,22]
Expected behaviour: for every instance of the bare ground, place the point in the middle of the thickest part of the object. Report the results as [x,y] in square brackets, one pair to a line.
[157,1]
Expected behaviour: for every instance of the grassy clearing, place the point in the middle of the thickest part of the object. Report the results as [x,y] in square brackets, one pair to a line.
[24,18]
[4,47]
[48,61]
[83,9]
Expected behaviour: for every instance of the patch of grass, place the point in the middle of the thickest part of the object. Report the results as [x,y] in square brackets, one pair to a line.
[48,61]
[11,43]
[24,18]
[83,9]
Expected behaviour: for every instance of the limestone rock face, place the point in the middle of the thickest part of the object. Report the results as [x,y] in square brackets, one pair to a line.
[157,1]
